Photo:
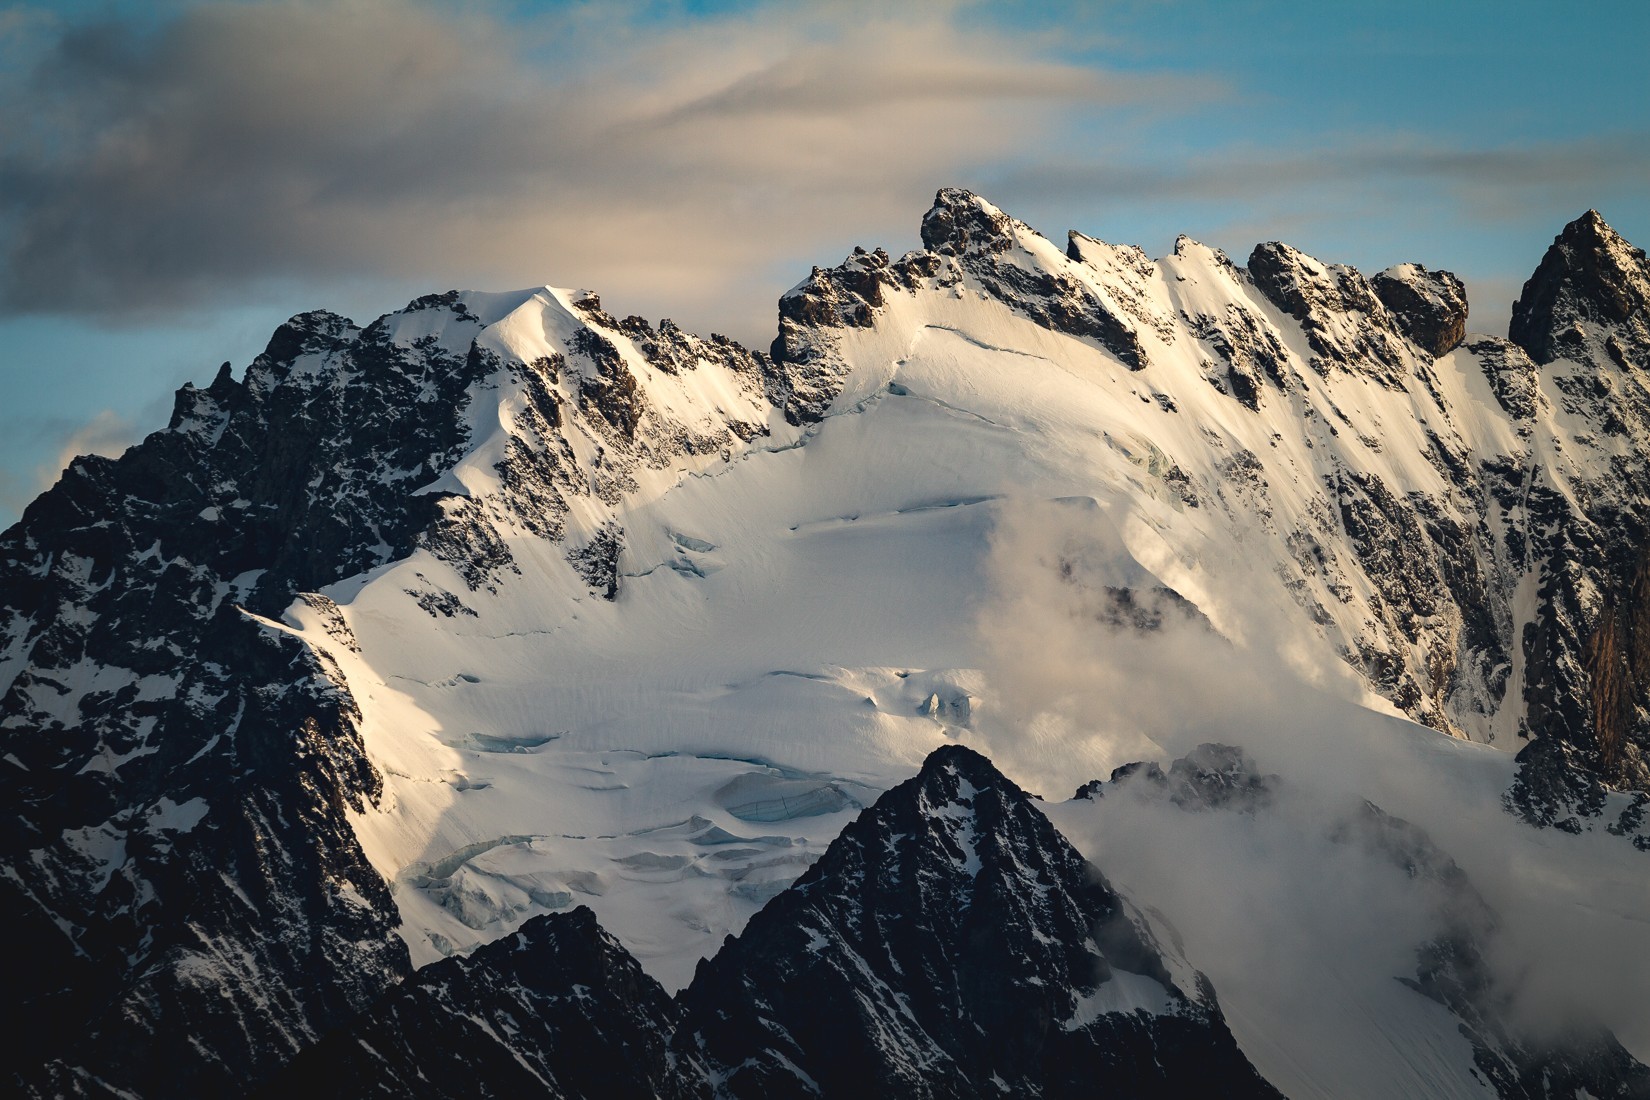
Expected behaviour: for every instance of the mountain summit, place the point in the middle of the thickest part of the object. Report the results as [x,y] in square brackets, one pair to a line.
[1591,292]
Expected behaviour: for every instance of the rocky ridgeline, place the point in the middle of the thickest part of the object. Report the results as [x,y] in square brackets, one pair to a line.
[1426,616]
[1413,586]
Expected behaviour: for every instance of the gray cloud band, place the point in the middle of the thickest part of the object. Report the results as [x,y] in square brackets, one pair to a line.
[250,142]
[1580,168]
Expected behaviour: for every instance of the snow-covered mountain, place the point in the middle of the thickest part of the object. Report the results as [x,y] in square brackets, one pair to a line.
[502,606]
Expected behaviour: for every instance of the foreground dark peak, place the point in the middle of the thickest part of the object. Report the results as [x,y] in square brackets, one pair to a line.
[1590,281]
[951,943]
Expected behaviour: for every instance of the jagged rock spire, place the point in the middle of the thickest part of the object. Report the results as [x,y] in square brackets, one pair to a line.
[1590,278]
[960,220]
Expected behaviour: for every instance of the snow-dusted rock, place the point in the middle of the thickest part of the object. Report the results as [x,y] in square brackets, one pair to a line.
[949,943]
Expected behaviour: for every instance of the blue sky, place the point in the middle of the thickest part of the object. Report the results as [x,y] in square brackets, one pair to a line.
[176,179]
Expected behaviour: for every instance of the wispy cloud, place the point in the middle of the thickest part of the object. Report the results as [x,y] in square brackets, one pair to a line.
[247,142]
[1490,175]
[107,433]
[1073,695]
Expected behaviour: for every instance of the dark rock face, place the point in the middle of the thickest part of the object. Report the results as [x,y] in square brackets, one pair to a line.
[808,367]
[1219,777]
[597,561]
[219,926]
[606,386]
[557,1009]
[1429,306]
[1251,352]
[981,238]
[1588,657]
[1557,787]
[1345,322]
[1512,376]
[951,943]
[1424,565]
[1589,300]
[1144,610]
[175,835]
[1210,777]
[959,223]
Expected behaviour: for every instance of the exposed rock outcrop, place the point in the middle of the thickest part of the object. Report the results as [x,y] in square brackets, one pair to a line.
[1429,306]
